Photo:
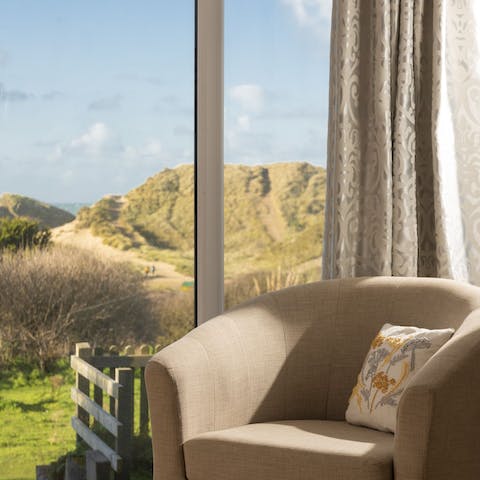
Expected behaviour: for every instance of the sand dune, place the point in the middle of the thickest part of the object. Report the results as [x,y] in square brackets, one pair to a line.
[165,274]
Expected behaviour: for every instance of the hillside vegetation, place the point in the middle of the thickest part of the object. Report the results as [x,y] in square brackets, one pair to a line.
[21,233]
[52,298]
[273,216]
[48,216]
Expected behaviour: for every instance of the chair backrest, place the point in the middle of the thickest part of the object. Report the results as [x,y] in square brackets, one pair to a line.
[316,335]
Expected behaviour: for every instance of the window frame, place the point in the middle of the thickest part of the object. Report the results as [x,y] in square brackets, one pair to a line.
[209,163]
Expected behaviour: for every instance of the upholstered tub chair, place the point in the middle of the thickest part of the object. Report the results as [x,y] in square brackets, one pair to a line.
[260,392]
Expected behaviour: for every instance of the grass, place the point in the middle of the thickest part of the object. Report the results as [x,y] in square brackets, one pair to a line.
[35,413]
[183,261]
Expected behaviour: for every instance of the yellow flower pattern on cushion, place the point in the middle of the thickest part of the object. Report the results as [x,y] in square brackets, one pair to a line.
[383,351]
[378,340]
[395,342]
[395,355]
[382,382]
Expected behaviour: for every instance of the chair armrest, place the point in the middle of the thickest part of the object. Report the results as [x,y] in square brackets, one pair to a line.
[438,423]
[176,382]
[203,382]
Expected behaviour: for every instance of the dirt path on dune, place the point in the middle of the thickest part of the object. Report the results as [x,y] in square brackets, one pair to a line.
[165,274]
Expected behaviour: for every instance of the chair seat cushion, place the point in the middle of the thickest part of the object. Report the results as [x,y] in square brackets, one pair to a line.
[293,450]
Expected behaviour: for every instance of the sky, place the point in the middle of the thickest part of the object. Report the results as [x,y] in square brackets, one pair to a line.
[97,95]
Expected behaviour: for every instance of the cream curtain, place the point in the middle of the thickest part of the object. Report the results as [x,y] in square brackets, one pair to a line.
[403,195]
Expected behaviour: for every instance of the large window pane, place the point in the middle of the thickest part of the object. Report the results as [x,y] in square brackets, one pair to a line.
[96,147]
[276,91]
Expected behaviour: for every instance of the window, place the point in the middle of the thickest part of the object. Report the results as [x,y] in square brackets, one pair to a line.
[97,131]
[276,100]
[97,147]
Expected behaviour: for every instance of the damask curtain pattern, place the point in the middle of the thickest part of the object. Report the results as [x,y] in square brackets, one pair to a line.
[403,195]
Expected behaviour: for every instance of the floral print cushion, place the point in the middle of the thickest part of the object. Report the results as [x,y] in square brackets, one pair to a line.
[395,356]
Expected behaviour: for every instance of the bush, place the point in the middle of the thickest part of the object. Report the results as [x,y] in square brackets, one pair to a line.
[52,298]
[22,233]
[246,287]
[175,314]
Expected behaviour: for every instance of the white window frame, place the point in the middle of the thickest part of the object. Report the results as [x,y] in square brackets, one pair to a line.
[209,259]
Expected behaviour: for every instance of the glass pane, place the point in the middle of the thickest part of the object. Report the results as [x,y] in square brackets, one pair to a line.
[96,230]
[276,103]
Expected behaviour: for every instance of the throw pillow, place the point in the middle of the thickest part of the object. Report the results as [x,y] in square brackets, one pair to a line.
[395,356]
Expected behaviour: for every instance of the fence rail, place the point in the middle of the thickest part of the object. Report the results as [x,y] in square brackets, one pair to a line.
[118,385]
[89,371]
[97,444]
[99,414]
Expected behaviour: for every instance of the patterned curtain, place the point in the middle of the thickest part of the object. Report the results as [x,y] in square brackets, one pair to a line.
[403,195]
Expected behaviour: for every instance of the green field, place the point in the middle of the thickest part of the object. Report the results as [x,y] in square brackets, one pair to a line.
[34,422]
[35,429]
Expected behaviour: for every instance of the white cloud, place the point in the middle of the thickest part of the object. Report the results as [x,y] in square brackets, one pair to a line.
[311,13]
[93,141]
[152,149]
[99,142]
[150,153]
[243,123]
[249,96]
[96,141]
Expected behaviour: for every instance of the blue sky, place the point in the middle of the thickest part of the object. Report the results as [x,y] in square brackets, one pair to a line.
[96,96]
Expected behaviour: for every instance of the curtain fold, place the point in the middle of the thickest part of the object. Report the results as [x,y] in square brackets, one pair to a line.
[403,188]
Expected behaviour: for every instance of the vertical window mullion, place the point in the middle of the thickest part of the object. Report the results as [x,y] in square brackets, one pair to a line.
[209,271]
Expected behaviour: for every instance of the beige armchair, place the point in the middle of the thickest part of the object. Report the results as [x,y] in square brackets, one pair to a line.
[260,392]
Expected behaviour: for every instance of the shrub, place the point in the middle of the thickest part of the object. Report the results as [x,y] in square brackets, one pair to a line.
[175,314]
[51,298]
[22,233]
[246,287]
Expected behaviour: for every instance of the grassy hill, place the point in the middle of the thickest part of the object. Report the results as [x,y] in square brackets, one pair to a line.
[19,206]
[273,216]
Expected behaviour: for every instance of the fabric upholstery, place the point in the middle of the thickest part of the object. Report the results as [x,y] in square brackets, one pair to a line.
[396,354]
[438,429]
[295,355]
[298,449]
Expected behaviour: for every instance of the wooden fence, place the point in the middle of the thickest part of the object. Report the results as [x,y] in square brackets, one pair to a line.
[112,376]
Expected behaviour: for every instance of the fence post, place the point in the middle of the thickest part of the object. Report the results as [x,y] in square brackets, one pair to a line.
[97,391]
[145,350]
[124,414]
[97,466]
[113,350]
[82,350]
[129,350]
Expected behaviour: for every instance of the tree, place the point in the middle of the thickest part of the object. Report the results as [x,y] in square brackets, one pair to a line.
[22,233]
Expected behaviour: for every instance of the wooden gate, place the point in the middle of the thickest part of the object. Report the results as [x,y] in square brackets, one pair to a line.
[112,377]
